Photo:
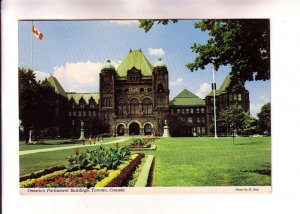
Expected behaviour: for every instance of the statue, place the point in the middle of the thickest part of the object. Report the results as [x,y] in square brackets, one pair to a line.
[81,131]
[166,129]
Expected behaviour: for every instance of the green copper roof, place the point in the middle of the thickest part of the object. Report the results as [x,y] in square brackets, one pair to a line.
[159,64]
[223,87]
[135,59]
[108,66]
[85,96]
[56,85]
[187,98]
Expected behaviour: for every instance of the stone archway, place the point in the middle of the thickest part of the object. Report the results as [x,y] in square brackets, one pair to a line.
[148,129]
[134,128]
[121,129]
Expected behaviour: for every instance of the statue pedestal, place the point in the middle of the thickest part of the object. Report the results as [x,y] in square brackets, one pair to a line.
[29,140]
[81,134]
[166,131]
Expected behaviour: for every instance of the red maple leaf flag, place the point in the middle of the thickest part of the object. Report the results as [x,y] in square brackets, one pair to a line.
[37,33]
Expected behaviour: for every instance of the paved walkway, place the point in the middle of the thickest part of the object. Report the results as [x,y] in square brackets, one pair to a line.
[27,152]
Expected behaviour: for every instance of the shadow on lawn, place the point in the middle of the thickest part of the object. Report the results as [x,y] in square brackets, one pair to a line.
[248,143]
[265,171]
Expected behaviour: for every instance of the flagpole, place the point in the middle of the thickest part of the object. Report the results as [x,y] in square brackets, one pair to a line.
[31,54]
[214,93]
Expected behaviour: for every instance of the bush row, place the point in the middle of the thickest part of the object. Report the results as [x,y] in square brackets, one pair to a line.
[126,173]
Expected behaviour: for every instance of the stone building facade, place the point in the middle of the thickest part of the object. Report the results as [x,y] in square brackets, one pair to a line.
[134,98]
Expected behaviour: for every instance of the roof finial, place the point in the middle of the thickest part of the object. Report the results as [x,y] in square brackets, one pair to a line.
[130,50]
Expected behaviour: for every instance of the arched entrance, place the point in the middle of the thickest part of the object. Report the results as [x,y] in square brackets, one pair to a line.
[134,129]
[148,129]
[120,130]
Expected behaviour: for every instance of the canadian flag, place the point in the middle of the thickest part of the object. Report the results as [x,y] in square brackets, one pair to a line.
[37,33]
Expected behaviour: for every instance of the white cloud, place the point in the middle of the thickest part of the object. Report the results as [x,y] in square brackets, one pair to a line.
[159,52]
[255,108]
[265,99]
[124,22]
[178,81]
[41,75]
[203,90]
[79,76]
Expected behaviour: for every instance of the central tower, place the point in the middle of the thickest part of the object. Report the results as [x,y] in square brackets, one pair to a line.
[135,96]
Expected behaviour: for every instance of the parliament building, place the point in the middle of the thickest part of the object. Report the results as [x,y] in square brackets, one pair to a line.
[133,99]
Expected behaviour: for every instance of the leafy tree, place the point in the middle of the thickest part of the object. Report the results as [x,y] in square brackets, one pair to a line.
[27,99]
[242,43]
[264,119]
[38,103]
[250,125]
[233,118]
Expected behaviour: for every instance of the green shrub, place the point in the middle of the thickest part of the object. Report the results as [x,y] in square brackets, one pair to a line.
[109,158]
[139,142]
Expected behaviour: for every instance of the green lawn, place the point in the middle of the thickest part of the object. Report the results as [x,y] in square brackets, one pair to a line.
[190,161]
[209,162]
[54,143]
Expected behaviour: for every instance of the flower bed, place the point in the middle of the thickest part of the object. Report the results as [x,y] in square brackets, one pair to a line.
[100,168]
[139,143]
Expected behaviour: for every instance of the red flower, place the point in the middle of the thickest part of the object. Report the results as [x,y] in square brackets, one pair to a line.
[76,150]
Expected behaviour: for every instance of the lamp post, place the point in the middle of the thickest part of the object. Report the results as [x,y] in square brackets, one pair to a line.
[214,94]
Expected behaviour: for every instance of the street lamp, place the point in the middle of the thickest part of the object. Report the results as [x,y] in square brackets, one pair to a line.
[214,94]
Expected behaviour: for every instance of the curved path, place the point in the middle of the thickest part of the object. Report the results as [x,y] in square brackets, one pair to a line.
[26,152]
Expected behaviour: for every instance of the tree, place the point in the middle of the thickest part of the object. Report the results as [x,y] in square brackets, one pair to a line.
[264,119]
[250,125]
[27,94]
[242,43]
[233,118]
[36,103]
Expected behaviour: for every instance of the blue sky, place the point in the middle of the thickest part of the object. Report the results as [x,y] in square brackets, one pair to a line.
[73,51]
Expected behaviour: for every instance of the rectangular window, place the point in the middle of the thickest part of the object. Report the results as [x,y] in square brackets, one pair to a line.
[198,120]
[198,130]
[70,113]
[90,113]
[84,113]
[81,105]
[187,111]
[202,110]
[95,113]
[202,120]
[190,120]
[92,105]
[235,97]
[198,110]
[203,130]
[239,97]
[230,97]
[192,111]
[178,111]
[79,114]
[74,113]
[182,111]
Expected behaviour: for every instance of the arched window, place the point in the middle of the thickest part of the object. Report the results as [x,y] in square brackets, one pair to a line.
[160,87]
[122,107]
[147,106]
[134,107]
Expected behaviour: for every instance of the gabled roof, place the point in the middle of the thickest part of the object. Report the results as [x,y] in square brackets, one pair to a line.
[135,59]
[56,85]
[226,83]
[187,98]
[85,96]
